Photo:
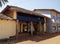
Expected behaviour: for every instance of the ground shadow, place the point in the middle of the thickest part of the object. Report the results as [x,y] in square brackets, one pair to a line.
[26,37]
[35,38]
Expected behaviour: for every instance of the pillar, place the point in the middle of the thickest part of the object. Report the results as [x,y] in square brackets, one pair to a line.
[17,26]
[40,27]
[44,24]
[17,29]
[14,14]
[31,29]
[21,27]
[28,27]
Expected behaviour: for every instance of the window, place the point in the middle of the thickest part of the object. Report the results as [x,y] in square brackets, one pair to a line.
[53,17]
[58,19]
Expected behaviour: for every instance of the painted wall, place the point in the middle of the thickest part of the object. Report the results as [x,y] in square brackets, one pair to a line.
[7,28]
[14,14]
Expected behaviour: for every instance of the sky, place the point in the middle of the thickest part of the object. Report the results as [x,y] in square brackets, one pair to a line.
[34,4]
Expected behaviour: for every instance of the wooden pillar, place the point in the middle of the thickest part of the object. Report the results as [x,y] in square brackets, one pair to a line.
[44,24]
[31,28]
[17,28]
[44,27]
[14,14]
[28,27]
[21,27]
[40,27]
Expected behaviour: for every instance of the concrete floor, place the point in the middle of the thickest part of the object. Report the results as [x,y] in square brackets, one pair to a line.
[36,39]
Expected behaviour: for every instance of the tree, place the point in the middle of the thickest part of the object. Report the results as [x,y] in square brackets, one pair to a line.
[3,2]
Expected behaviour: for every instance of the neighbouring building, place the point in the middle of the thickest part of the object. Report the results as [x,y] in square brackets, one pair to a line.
[53,25]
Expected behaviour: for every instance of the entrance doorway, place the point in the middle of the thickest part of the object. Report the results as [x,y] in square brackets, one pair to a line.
[23,27]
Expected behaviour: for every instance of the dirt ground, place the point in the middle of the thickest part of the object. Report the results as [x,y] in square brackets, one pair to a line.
[36,39]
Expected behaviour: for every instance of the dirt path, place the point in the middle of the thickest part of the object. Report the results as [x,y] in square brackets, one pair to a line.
[42,39]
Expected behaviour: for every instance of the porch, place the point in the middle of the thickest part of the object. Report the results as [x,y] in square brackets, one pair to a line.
[29,23]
